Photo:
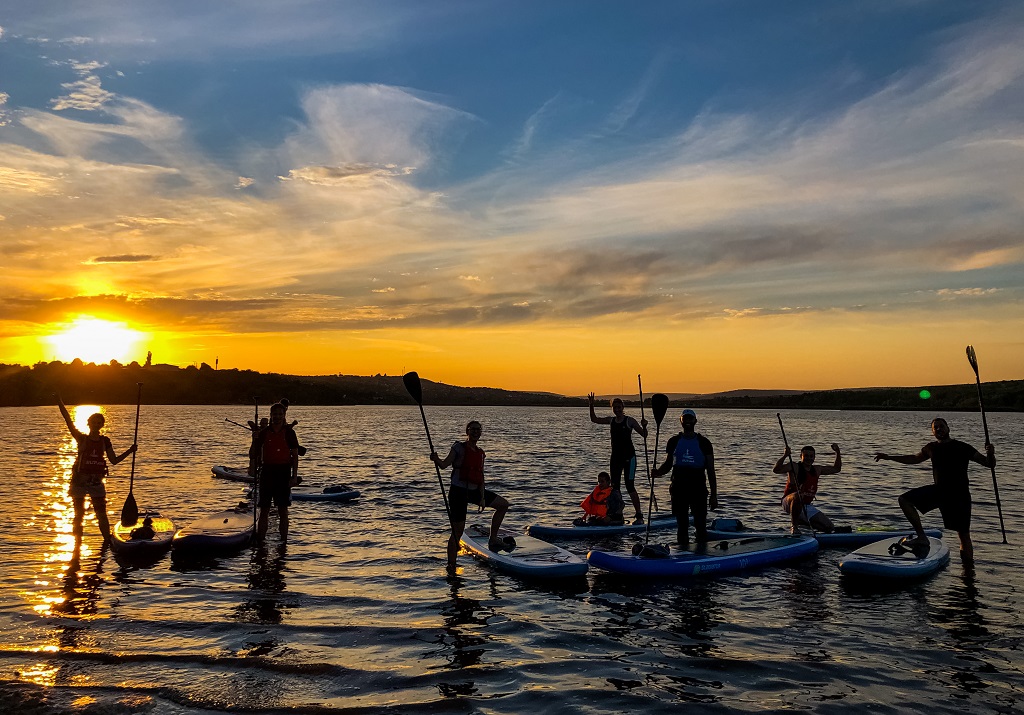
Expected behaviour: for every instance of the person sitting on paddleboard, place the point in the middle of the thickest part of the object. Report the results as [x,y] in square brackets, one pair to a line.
[275,452]
[623,459]
[689,455]
[950,491]
[467,487]
[802,485]
[603,506]
[89,470]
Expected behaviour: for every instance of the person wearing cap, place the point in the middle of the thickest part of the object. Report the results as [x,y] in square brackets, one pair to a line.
[689,455]
[802,485]
[623,459]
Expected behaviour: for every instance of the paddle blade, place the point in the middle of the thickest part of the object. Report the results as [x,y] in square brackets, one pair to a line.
[412,384]
[973,359]
[130,511]
[659,406]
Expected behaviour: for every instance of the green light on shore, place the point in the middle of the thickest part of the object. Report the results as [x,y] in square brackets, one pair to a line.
[925,394]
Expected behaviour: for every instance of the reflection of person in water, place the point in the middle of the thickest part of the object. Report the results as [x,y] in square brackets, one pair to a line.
[266,584]
[463,647]
[80,589]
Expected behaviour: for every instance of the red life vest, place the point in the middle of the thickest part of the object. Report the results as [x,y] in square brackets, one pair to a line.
[471,468]
[596,503]
[808,487]
[275,447]
[92,463]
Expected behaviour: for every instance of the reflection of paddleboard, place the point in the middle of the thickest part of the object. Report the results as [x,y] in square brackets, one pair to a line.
[571,531]
[225,531]
[884,559]
[726,529]
[123,544]
[530,557]
[715,558]
[232,473]
[337,493]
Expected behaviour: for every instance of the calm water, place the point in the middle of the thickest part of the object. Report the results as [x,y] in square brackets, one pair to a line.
[355,614]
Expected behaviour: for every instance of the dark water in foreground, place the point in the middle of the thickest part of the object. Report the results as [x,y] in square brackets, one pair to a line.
[355,614]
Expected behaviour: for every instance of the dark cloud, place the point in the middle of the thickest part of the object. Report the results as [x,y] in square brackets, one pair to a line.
[125,258]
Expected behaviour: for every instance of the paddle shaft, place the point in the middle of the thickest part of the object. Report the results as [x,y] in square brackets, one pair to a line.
[138,408]
[256,469]
[437,469]
[794,472]
[659,405]
[973,359]
[647,459]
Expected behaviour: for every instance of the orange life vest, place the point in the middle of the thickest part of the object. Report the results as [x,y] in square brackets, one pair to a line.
[808,487]
[91,464]
[596,503]
[275,447]
[471,467]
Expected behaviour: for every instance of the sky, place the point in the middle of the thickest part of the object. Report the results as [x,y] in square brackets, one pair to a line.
[715,194]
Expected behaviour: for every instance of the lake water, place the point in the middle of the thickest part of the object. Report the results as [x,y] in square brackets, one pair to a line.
[357,615]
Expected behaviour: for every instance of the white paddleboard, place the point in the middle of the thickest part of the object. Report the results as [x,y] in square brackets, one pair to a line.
[530,557]
[124,544]
[884,560]
[233,474]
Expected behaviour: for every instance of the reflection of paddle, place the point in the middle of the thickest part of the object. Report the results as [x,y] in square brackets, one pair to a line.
[412,384]
[647,459]
[130,510]
[973,359]
[659,406]
[796,482]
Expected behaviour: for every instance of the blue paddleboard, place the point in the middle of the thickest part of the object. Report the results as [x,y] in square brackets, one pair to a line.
[727,529]
[573,531]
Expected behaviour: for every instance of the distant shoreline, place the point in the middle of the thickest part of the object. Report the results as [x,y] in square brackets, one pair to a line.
[113,384]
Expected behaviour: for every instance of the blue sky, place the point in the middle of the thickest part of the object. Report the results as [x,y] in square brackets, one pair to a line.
[507,174]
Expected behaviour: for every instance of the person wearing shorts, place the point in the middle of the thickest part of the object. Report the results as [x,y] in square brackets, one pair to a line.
[802,486]
[949,491]
[689,456]
[89,470]
[466,459]
[623,459]
[275,450]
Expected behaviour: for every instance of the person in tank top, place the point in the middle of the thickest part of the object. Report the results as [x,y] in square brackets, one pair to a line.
[623,458]
[950,490]
[90,469]
[466,459]
[802,486]
[690,456]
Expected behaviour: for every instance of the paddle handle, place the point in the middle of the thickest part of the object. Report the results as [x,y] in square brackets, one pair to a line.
[973,359]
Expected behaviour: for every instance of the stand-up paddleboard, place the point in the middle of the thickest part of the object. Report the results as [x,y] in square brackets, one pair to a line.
[232,473]
[574,531]
[530,557]
[887,560]
[733,528]
[339,493]
[133,541]
[715,558]
[225,531]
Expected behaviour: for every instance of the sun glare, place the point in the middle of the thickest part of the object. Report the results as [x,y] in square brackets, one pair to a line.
[96,340]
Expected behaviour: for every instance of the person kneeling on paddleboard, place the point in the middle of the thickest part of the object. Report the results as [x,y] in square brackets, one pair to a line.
[689,455]
[801,487]
[467,462]
[603,506]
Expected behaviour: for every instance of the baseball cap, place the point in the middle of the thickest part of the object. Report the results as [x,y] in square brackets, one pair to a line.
[687,413]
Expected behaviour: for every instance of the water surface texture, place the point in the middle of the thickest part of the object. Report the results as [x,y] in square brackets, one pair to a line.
[356,614]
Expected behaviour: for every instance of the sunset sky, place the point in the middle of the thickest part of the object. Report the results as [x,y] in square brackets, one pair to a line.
[530,195]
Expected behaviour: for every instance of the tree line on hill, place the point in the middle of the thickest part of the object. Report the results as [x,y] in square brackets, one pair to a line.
[106,384]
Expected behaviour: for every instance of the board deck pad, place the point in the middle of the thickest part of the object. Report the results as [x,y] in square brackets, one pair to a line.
[530,556]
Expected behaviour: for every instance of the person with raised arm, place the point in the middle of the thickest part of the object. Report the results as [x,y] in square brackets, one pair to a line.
[623,458]
[802,486]
[90,470]
[950,490]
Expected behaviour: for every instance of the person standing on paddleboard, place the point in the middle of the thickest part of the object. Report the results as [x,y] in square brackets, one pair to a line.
[802,485]
[90,469]
[689,456]
[950,491]
[623,459]
[275,451]
[467,487]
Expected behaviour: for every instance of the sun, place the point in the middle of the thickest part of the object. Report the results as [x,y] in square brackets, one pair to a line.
[95,340]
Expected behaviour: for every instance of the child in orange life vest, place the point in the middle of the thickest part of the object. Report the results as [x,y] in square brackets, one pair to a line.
[89,470]
[596,511]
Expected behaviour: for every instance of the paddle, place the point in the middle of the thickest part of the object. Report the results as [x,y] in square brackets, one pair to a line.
[650,479]
[130,510]
[659,406]
[255,463]
[792,469]
[412,384]
[973,359]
